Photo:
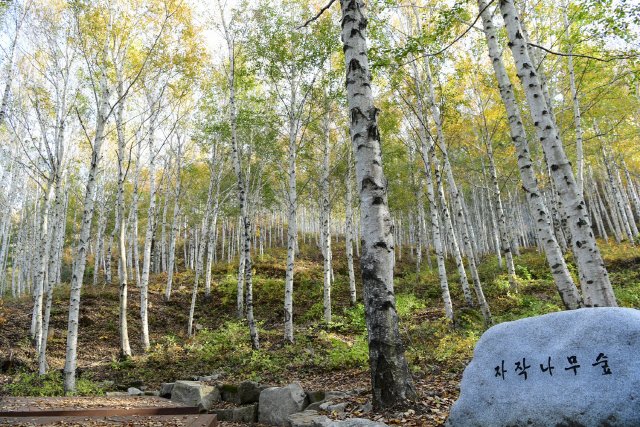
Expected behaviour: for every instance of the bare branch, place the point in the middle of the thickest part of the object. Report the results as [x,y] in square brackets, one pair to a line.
[575,55]
[308,21]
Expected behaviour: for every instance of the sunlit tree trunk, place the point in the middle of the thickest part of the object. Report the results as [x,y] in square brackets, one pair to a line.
[594,280]
[563,280]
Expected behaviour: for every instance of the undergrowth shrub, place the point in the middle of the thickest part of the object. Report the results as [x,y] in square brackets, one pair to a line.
[407,304]
[30,384]
[345,354]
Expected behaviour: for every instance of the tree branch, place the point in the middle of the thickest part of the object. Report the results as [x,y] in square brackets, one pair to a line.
[575,55]
[308,21]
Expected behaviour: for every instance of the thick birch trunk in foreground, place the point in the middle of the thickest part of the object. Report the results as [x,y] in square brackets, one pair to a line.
[563,280]
[391,379]
[594,280]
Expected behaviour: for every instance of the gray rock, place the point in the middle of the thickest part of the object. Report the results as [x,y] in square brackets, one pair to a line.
[152,393]
[356,422]
[322,421]
[249,392]
[574,368]
[245,414]
[116,393]
[106,384]
[336,408]
[134,391]
[166,390]
[305,418]
[196,394]
[315,396]
[277,403]
[317,406]
[325,405]
[335,394]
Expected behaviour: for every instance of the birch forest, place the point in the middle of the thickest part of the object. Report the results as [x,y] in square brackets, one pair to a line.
[297,190]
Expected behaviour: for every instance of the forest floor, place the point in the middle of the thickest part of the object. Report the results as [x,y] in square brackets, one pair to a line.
[324,357]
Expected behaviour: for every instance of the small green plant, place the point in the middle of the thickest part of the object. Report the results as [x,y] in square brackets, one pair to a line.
[315,312]
[407,304]
[522,272]
[120,366]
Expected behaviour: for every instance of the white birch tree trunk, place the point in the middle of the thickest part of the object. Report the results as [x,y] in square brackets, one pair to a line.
[562,278]
[325,216]
[391,379]
[146,260]
[85,230]
[594,280]
[242,192]
[576,103]
[175,224]
[349,229]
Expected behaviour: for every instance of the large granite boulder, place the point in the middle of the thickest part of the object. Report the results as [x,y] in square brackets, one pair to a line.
[575,368]
[195,394]
[277,403]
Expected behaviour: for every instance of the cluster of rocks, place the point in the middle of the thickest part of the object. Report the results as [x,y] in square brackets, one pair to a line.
[288,406]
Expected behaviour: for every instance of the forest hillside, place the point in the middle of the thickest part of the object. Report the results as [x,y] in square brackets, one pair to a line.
[333,356]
